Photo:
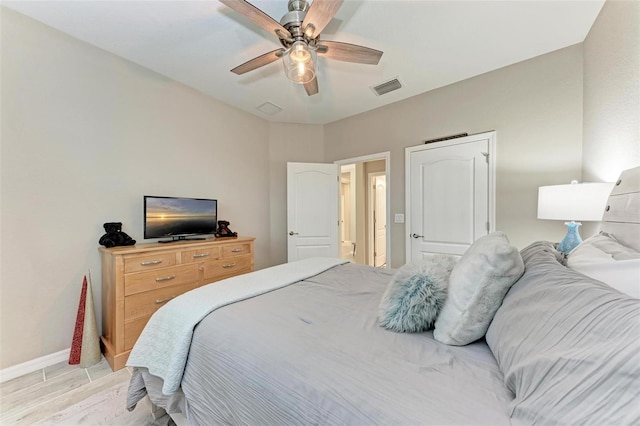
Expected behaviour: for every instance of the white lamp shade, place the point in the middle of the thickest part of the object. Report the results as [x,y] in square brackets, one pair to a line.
[578,201]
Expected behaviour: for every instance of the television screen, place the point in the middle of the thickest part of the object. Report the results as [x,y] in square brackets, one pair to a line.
[177,217]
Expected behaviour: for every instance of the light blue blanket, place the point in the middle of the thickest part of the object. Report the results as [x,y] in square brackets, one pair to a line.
[164,344]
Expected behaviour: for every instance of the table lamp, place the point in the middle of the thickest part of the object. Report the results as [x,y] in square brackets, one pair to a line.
[577,201]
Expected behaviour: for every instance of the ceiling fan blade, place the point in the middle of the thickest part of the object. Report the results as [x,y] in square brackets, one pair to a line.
[258,62]
[319,15]
[257,16]
[349,52]
[312,86]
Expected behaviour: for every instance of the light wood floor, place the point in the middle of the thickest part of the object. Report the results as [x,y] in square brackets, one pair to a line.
[38,395]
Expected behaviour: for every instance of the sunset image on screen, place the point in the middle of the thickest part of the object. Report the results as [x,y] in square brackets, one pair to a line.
[179,216]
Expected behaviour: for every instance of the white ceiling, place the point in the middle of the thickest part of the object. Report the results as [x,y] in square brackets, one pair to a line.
[426,44]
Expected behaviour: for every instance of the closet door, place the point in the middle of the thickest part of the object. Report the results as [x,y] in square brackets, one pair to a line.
[450,195]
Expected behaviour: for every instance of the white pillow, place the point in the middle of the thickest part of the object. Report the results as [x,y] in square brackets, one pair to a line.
[603,258]
[600,248]
[477,286]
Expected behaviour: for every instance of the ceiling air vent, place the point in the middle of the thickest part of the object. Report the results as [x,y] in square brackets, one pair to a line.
[386,87]
[269,108]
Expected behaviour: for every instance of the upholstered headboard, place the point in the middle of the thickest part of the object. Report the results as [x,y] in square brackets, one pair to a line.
[622,214]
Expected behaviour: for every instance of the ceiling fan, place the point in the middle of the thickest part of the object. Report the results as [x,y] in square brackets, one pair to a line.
[299,33]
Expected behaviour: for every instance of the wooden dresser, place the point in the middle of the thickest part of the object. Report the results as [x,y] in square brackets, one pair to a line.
[138,280]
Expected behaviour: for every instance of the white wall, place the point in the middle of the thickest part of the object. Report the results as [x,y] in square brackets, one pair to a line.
[536,108]
[612,92]
[85,135]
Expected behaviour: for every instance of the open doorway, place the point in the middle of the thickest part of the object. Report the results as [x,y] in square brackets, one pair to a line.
[377,223]
[364,204]
[348,219]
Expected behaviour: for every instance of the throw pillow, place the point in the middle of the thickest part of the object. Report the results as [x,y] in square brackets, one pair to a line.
[416,294]
[477,286]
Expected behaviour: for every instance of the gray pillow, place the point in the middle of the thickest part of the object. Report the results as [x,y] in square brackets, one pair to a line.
[477,285]
[568,346]
[416,294]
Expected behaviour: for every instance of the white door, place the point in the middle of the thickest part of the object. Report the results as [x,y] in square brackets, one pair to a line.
[450,195]
[379,204]
[312,210]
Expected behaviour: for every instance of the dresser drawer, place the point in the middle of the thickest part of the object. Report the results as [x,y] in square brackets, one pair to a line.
[148,262]
[200,255]
[225,267]
[239,249]
[146,303]
[167,277]
[132,330]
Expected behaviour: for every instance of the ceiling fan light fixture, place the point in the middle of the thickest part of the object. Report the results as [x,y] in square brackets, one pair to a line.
[299,34]
[299,63]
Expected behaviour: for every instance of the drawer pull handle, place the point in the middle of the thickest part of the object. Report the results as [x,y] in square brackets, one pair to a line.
[237,250]
[151,262]
[159,301]
[195,256]
[229,265]
[170,277]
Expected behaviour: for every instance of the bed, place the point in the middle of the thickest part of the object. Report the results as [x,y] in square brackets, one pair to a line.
[304,343]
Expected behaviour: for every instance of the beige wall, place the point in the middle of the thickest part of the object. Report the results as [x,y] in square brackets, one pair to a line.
[536,108]
[85,135]
[612,92]
[361,213]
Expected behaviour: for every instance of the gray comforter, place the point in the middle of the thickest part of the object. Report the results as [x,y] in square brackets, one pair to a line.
[313,353]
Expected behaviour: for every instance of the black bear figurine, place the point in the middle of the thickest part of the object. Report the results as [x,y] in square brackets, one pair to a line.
[224,231]
[114,236]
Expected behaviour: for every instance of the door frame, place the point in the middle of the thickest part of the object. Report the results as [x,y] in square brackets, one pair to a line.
[491,159]
[386,156]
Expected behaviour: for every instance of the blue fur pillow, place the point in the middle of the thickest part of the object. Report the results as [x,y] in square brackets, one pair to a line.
[416,294]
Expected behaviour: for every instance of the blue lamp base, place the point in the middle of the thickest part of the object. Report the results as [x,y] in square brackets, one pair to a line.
[572,239]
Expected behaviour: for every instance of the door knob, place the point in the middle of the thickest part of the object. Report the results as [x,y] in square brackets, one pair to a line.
[414,235]
[293,233]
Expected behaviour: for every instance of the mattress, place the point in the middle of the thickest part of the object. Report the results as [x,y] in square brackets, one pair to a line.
[313,353]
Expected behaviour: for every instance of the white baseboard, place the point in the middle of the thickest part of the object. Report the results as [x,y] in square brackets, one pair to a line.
[33,365]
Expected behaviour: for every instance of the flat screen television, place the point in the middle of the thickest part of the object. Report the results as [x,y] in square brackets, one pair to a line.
[179,218]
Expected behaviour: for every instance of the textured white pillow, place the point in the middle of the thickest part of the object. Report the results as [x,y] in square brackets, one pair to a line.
[600,248]
[477,286]
[603,258]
